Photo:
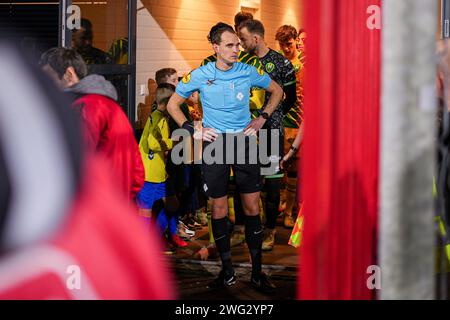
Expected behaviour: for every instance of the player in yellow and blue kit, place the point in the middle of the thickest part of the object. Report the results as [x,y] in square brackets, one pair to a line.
[158,193]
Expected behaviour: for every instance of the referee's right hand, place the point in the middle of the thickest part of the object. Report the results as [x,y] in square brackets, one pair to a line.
[207,134]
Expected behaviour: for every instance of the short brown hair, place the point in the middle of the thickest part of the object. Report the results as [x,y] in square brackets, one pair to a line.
[162,74]
[253,26]
[163,93]
[215,34]
[59,59]
[286,33]
[241,17]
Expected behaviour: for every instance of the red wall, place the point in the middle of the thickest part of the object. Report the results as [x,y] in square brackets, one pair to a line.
[340,161]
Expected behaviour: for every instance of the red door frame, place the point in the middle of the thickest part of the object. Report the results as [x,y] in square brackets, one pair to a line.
[340,160]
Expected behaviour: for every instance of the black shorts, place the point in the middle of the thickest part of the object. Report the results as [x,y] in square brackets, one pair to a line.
[234,151]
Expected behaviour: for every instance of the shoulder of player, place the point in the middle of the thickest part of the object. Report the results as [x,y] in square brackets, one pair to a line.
[301,55]
[247,58]
[278,56]
[155,117]
[209,59]
[245,66]
[199,72]
[281,60]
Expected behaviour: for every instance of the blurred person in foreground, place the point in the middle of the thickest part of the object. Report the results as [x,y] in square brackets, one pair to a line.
[65,231]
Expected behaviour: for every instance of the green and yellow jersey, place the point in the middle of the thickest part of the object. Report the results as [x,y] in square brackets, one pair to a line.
[119,51]
[294,117]
[302,58]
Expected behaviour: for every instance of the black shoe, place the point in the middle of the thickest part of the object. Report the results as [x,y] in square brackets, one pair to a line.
[223,280]
[169,250]
[263,284]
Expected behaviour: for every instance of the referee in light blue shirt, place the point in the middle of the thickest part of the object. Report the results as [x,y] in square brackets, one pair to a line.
[224,88]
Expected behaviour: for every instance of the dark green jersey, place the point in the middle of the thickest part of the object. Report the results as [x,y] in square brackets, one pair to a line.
[280,70]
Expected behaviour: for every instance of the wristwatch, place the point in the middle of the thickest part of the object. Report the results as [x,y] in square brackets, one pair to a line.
[265,115]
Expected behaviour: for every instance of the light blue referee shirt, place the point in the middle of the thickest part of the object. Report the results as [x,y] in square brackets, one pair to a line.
[225,95]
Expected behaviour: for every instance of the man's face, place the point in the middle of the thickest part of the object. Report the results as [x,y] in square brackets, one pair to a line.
[289,48]
[228,49]
[172,79]
[82,39]
[248,40]
[301,41]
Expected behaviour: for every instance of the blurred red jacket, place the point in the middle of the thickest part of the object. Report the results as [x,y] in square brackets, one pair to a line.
[103,251]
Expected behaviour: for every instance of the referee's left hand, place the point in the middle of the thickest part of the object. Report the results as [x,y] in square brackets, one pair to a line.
[254,126]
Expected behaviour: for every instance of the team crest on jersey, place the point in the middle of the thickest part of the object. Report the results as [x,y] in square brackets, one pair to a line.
[269,67]
[260,71]
[151,155]
[186,78]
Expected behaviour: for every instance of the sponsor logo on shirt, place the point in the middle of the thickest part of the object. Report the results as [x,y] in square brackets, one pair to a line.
[270,67]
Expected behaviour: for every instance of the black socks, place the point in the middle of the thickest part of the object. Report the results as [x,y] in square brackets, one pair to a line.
[221,234]
[254,237]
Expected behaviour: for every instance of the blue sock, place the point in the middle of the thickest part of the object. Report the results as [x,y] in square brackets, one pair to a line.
[162,221]
[173,224]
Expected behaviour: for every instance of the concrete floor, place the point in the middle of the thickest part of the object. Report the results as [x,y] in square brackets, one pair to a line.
[193,274]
